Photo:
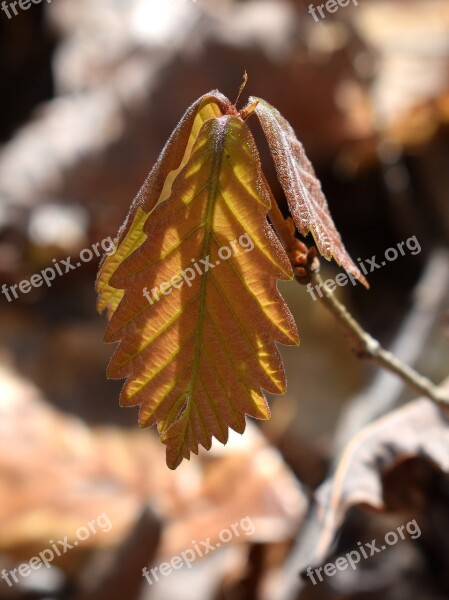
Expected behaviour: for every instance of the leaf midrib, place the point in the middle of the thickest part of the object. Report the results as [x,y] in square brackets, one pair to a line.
[213,184]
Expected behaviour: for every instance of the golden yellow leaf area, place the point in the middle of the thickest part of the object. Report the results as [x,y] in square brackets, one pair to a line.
[201,314]
[155,190]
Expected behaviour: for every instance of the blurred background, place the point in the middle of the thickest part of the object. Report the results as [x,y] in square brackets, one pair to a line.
[90,91]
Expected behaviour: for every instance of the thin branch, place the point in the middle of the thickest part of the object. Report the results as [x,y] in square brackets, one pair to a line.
[306,268]
[429,300]
[365,346]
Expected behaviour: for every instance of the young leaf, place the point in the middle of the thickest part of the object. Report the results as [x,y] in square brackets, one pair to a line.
[302,189]
[191,289]
[156,189]
[199,348]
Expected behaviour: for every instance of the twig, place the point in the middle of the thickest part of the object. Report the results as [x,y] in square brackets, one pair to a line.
[306,268]
[429,301]
[367,347]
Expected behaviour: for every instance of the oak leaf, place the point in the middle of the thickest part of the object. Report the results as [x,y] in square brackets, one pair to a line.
[191,290]
[194,359]
[301,187]
[154,190]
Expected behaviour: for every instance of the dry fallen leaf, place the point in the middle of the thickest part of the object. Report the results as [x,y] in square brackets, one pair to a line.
[59,474]
[418,430]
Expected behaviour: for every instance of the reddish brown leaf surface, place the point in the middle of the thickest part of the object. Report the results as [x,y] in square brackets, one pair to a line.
[302,189]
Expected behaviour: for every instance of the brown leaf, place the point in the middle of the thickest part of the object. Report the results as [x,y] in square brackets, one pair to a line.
[197,357]
[155,189]
[56,474]
[418,430]
[302,189]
